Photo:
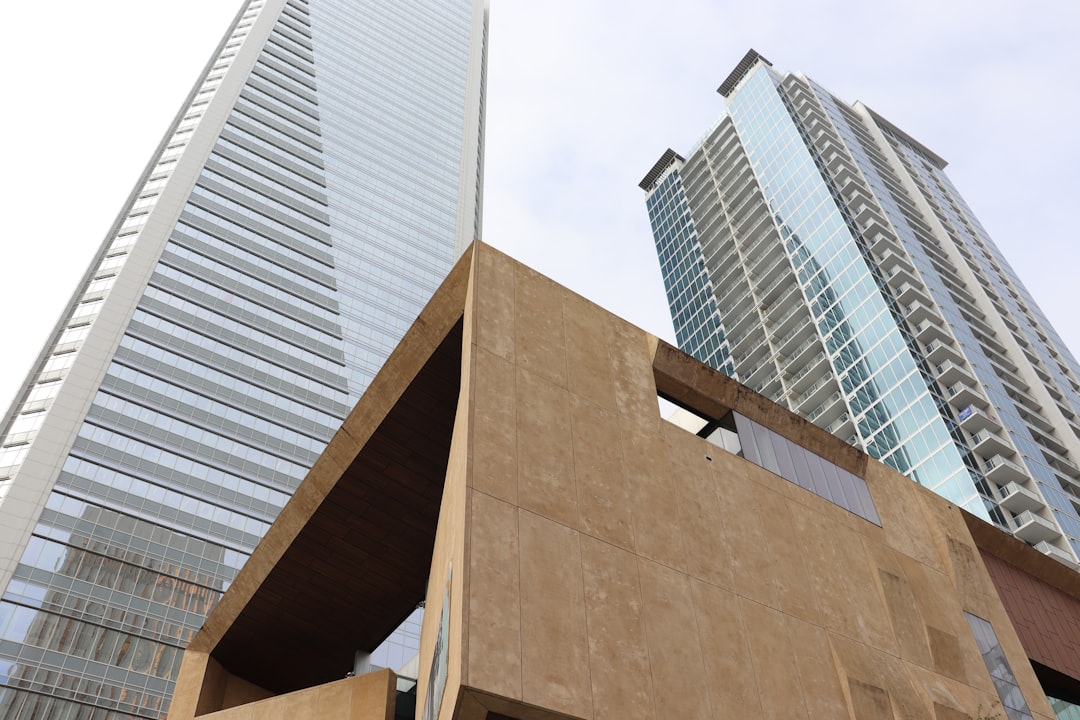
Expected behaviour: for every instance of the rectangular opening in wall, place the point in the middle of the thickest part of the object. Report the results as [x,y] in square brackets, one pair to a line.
[768,449]
[721,433]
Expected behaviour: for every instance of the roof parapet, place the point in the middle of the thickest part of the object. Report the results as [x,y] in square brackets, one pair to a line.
[745,65]
[669,157]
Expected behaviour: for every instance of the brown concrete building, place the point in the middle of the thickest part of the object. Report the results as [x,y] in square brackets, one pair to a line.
[582,558]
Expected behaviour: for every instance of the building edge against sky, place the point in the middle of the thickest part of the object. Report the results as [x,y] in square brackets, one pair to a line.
[314,189]
[819,254]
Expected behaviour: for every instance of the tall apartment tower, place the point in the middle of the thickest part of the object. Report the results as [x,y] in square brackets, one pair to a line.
[311,194]
[819,254]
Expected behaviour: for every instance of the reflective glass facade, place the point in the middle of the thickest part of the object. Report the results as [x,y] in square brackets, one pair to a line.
[306,203]
[846,279]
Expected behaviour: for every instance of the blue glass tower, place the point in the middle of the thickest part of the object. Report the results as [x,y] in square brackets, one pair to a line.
[311,194]
[819,254]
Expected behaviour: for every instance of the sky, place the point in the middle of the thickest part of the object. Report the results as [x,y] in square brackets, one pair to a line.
[583,97]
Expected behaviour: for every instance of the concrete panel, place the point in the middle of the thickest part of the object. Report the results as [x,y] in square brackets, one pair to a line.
[494,419]
[869,702]
[773,658]
[545,449]
[618,653]
[554,640]
[539,340]
[710,551]
[373,696]
[904,530]
[588,366]
[819,677]
[794,586]
[907,623]
[334,701]
[495,657]
[632,373]
[751,561]
[845,585]
[494,303]
[729,671]
[598,468]
[654,509]
[674,647]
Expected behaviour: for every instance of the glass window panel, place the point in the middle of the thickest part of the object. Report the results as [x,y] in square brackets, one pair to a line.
[865,503]
[765,444]
[784,449]
[746,438]
[831,485]
[814,480]
[998,666]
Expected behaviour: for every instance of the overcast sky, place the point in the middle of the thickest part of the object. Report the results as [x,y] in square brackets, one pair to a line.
[583,97]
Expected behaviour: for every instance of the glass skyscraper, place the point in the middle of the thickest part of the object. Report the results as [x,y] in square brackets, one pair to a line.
[820,255]
[311,194]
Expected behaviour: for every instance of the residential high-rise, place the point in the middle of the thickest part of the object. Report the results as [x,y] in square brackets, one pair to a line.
[310,195]
[819,254]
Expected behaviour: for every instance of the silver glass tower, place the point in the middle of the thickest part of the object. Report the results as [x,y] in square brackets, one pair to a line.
[819,254]
[311,194]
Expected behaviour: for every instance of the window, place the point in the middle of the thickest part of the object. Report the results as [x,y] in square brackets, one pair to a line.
[1012,699]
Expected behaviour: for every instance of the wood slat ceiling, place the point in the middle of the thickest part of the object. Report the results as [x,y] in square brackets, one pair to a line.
[360,565]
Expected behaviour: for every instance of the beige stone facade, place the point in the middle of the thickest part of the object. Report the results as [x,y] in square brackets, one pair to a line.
[593,560]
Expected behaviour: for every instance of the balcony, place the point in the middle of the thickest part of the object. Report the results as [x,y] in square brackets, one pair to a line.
[828,411]
[1061,464]
[790,302]
[871,224]
[973,419]
[911,292]
[1017,498]
[988,443]
[962,394]
[756,353]
[929,330]
[839,424]
[889,260]
[796,381]
[735,297]
[800,354]
[1057,553]
[917,312]
[799,332]
[1033,529]
[949,373]
[816,392]
[746,376]
[900,276]
[1002,471]
[938,351]
[770,285]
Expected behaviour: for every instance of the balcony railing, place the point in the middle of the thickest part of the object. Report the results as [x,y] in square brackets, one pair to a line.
[1017,498]
[1034,529]
[973,419]
[1003,471]
[988,443]
[1057,553]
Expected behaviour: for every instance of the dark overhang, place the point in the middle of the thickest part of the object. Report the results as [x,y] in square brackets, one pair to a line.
[745,65]
[349,556]
[661,165]
[360,565]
